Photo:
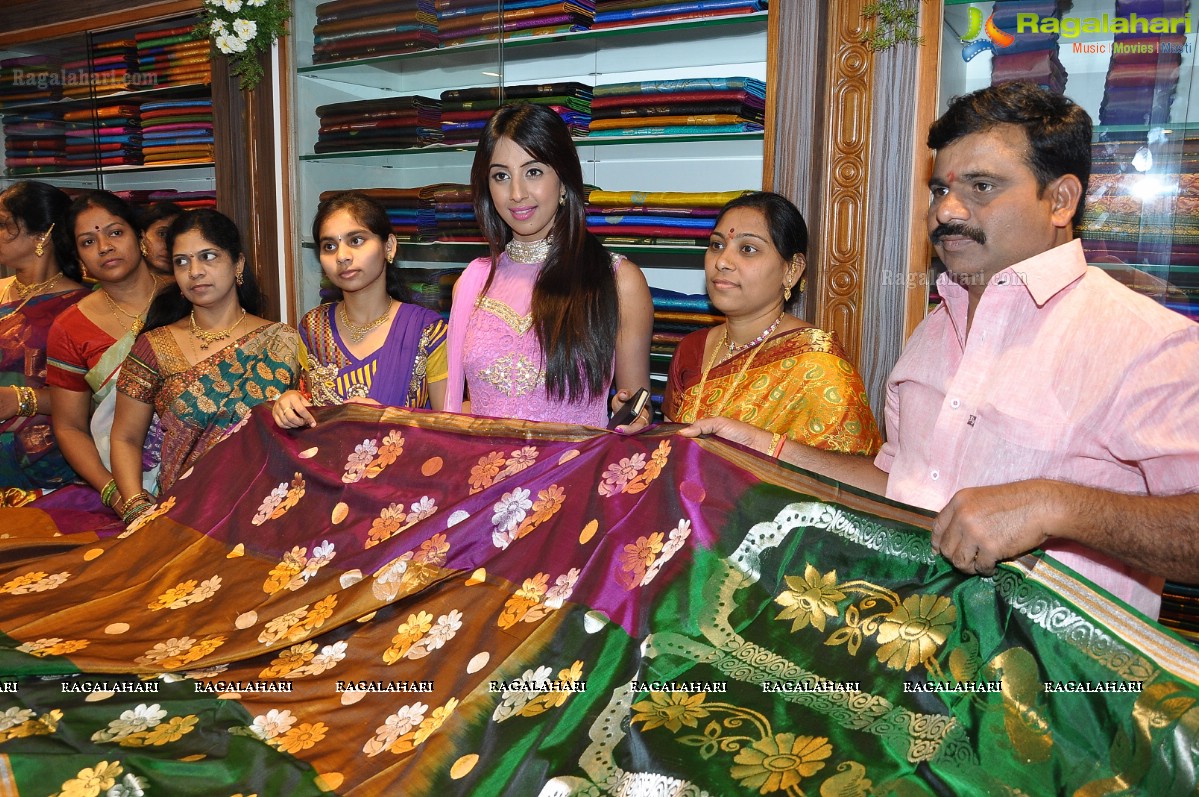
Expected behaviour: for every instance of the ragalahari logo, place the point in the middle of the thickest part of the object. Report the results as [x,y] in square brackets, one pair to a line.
[994,38]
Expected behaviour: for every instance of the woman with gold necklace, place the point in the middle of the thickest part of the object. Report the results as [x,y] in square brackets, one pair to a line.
[763,365]
[44,284]
[89,341]
[205,359]
[372,343]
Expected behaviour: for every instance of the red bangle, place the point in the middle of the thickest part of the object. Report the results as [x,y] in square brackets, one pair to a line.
[778,449]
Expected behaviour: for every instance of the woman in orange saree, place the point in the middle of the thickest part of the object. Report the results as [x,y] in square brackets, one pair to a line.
[792,379]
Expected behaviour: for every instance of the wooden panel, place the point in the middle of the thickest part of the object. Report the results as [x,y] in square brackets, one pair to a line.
[33,20]
[849,84]
[920,254]
[243,132]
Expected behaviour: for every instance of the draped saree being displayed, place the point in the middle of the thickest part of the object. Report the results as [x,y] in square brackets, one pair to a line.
[457,605]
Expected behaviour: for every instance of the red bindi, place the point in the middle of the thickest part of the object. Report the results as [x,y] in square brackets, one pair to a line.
[732,230]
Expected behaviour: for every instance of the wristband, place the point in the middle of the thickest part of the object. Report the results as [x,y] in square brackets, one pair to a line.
[776,444]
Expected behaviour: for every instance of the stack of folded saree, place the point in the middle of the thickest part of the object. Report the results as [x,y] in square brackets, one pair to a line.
[108,67]
[1143,74]
[679,107]
[464,112]
[29,79]
[1180,610]
[432,287]
[448,214]
[109,134]
[467,21]
[390,123]
[173,57]
[177,131]
[188,200]
[426,604]
[34,142]
[348,29]
[664,217]
[621,13]
[1031,57]
[676,315]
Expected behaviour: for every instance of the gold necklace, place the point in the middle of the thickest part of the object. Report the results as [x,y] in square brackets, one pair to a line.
[28,291]
[209,337]
[139,321]
[359,331]
[757,345]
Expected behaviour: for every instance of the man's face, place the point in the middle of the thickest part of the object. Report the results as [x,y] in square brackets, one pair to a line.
[986,211]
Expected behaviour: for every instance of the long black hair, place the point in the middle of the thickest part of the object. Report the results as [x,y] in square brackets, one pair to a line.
[220,231]
[575,309]
[371,215]
[40,208]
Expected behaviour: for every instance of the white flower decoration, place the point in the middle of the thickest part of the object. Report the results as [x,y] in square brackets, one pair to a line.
[232,6]
[245,29]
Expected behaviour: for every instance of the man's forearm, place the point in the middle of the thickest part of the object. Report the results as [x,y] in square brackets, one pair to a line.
[1158,534]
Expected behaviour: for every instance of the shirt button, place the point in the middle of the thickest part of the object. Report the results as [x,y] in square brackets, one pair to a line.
[936,474]
[955,404]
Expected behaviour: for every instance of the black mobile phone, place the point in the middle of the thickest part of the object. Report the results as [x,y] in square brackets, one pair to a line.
[629,411]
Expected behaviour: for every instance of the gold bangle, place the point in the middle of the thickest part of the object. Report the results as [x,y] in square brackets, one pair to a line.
[772,449]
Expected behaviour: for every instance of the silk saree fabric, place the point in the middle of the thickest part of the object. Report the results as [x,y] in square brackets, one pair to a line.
[463,606]
[797,383]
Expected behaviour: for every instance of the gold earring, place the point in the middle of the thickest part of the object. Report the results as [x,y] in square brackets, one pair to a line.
[562,200]
[40,249]
[82,271]
[786,293]
[145,251]
[239,279]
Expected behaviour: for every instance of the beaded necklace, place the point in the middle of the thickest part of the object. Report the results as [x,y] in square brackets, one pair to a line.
[755,344]
[529,251]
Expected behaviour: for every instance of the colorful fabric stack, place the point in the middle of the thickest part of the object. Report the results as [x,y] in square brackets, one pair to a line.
[1142,76]
[676,315]
[34,142]
[391,123]
[1142,227]
[464,112]
[621,13]
[1031,57]
[1180,610]
[109,134]
[666,218]
[110,66]
[467,21]
[403,206]
[448,214]
[348,29]
[188,200]
[29,79]
[432,287]
[173,57]
[679,107]
[426,604]
[177,132]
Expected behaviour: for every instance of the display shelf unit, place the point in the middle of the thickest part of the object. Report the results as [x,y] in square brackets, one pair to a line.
[191,176]
[713,47]
[1140,223]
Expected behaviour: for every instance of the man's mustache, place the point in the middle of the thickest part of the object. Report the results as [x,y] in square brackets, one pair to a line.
[957,228]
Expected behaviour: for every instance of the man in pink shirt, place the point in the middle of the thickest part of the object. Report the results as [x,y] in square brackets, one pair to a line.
[1042,405]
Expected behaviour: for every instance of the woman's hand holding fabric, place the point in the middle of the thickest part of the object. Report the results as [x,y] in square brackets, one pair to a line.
[291,411]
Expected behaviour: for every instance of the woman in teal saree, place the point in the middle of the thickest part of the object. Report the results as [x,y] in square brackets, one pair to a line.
[205,359]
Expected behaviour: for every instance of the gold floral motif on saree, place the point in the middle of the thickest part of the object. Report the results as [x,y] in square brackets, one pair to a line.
[296,568]
[393,519]
[369,459]
[35,581]
[20,723]
[511,520]
[177,652]
[420,635]
[411,570]
[537,693]
[641,561]
[298,623]
[633,474]
[185,593]
[304,660]
[536,598]
[495,467]
[408,728]
[281,499]
[144,726]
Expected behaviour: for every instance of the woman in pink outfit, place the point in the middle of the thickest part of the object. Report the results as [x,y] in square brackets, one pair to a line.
[549,321]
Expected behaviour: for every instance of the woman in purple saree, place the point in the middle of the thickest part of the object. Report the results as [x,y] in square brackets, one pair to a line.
[372,343]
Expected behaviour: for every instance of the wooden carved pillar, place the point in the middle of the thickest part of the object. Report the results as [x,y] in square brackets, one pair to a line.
[841,232]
